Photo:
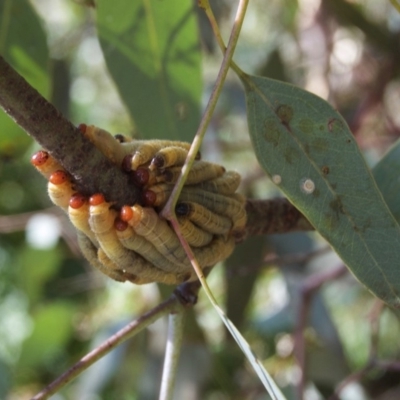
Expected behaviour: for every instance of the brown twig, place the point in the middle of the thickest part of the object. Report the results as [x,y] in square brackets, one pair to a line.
[168,306]
[172,305]
[91,170]
[274,216]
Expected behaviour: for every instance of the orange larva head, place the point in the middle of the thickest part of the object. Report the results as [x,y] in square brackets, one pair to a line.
[126,213]
[58,177]
[96,199]
[77,200]
[120,225]
[39,158]
[82,128]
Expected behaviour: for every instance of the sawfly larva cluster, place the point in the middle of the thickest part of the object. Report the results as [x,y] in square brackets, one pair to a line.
[134,243]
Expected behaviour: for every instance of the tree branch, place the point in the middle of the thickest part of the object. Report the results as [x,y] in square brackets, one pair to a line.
[265,217]
[91,170]
[94,173]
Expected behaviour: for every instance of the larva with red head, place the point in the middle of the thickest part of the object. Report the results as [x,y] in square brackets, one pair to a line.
[146,222]
[132,241]
[101,220]
[60,189]
[78,212]
[45,163]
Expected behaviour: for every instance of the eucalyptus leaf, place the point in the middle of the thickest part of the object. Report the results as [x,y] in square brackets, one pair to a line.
[152,52]
[306,148]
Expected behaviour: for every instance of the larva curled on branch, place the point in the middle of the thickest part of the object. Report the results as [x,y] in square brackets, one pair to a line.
[134,243]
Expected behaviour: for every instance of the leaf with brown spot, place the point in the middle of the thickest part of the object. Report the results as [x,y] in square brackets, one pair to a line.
[328,180]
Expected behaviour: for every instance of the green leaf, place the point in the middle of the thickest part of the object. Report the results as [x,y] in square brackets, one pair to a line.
[306,148]
[23,44]
[152,52]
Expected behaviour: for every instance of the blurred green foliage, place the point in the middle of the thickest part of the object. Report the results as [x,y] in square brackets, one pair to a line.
[54,307]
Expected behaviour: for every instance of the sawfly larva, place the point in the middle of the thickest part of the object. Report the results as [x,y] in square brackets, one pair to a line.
[195,236]
[204,218]
[147,223]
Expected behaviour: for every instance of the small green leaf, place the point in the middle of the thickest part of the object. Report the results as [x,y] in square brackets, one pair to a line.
[152,52]
[307,149]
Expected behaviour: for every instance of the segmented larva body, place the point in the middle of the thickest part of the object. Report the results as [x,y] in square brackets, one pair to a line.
[146,151]
[230,207]
[106,143]
[60,189]
[200,171]
[101,221]
[78,212]
[45,164]
[218,250]
[91,254]
[132,241]
[226,184]
[146,222]
[161,191]
[168,156]
[115,268]
[204,218]
[194,235]
[239,216]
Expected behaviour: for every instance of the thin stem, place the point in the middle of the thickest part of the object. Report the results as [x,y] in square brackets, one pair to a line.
[217,33]
[168,211]
[172,353]
[170,305]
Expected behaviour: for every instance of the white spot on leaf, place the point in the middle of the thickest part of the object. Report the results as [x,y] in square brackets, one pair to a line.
[307,185]
[277,179]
